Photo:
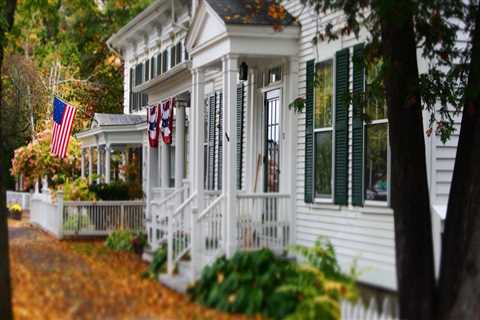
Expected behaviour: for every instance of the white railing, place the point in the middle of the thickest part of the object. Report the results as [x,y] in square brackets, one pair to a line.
[210,196]
[179,232]
[22,198]
[160,211]
[355,311]
[263,221]
[84,218]
[208,238]
[100,218]
[47,214]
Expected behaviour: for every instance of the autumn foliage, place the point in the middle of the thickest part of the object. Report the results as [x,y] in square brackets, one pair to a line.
[34,161]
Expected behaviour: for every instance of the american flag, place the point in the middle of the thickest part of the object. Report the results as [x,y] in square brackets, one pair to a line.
[63,115]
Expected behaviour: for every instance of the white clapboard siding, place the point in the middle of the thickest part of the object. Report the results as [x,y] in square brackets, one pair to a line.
[357,235]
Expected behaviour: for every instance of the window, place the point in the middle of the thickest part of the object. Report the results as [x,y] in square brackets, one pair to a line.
[323,130]
[147,70]
[159,64]
[172,56]
[165,61]
[152,67]
[376,146]
[178,54]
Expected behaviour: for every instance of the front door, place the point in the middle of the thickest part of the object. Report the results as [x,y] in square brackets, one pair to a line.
[272,141]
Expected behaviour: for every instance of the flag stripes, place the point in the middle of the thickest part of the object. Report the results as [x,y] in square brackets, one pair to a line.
[62,127]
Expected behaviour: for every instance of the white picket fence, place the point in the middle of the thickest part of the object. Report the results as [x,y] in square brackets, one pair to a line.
[22,198]
[84,218]
[370,311]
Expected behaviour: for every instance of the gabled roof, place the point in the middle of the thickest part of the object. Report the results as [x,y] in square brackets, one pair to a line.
[109,119]
[248,12]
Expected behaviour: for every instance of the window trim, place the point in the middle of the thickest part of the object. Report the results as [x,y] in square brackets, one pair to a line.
[316,199]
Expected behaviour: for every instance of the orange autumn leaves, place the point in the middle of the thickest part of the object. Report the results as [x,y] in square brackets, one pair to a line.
[83,280]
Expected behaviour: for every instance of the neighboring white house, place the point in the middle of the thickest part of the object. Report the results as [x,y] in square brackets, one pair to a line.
[245,171]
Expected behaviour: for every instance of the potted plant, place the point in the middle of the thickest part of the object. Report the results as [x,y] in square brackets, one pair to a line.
[138,243]
[16,211]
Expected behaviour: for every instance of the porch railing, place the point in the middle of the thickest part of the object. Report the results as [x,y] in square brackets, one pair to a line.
[263,221]
[209,240]
[160,211]
[102,217]
[179,232]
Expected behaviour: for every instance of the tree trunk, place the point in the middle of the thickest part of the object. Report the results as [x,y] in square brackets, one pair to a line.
[8,10]
[459,291]
[409,187]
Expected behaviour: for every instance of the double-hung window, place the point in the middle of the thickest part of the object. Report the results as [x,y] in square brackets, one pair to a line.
[323,130]
[376,180]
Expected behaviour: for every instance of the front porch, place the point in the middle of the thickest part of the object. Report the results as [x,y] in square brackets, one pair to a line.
[241,153]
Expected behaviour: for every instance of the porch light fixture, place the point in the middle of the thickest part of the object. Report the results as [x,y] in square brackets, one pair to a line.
[243,72]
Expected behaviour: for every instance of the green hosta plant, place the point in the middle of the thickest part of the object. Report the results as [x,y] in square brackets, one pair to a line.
[158,264]
[120,240]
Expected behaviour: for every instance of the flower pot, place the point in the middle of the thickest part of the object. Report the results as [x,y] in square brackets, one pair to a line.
[17,215]
[138,248]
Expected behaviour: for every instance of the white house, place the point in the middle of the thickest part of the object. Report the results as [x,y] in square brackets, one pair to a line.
[244,171]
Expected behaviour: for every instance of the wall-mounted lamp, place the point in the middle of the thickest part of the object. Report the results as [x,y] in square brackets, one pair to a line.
[243,71]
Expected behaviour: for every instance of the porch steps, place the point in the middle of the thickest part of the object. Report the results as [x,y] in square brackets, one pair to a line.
[181,280]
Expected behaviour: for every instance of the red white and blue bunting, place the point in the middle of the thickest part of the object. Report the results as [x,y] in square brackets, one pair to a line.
[166,128]
[153,114]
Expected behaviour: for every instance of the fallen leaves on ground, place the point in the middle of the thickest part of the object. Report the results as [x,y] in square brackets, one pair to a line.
[54,279]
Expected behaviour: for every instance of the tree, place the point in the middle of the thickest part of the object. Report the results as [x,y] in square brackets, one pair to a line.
[7,12]
[397,30]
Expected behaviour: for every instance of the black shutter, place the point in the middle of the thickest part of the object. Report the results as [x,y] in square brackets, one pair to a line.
[152,67]
[179,52]
[357,125]
[147,70]
[211,142]
[165,61]
[172,56]
[130,90]
[309,106]
[220,138]
[341,126]
[159,64]
[240,128]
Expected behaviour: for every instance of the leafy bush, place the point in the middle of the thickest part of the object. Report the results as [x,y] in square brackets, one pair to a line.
[120,240]
[116,191]
[158,264]
[260,282]
[77,190]
[246,283]
[74,221]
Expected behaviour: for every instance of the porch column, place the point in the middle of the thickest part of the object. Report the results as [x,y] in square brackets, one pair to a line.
[230,76]
[291,150]
[90,164]
[165,165]
[99,163]
[107,163]
[197,138]
[82,163]
[179,144]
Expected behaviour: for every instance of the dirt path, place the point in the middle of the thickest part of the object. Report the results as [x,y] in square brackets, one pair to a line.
[83,280]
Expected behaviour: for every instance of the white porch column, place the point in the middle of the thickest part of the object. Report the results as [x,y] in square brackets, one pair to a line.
[107,163]
[90,164]
[99,163]
[197,136]
[165,165]
[180,144]
[230,76]
[291,139]
[82,163]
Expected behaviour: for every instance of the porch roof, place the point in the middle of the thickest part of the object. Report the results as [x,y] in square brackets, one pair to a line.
[249,12]
[114,129]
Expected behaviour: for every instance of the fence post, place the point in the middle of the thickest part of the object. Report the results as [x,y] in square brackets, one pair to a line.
[170,240]
[195,244]
[122,216]
[60,206]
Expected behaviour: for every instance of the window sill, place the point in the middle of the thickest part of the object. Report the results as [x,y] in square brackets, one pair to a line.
[325,204]
[374,209]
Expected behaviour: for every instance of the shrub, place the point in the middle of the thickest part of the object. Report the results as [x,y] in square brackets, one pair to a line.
[116,191]
[158,264]
[77,190]
[246,283]
[73,222]
[260,282]
[120,240]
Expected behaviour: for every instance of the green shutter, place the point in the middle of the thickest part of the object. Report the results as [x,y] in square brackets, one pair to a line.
[159,64]
[240,128]
[357,126]
[211,142]
[309,106]
[342,66]
[219,97]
